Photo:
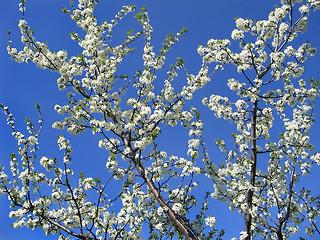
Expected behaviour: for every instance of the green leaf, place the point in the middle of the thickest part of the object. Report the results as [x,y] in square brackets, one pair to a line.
[65,10]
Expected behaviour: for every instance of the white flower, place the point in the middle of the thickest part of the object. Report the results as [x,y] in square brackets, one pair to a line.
[58,125]
[193,143]
[233,84]
[240,104]
[32,140]
[243,235]
[278,58]
[88,183]
[237,34]
[289,51]
[243,24]
[210,221]
[316,158]
[178,208]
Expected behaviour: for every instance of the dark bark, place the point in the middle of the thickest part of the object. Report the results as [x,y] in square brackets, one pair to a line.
[248,221]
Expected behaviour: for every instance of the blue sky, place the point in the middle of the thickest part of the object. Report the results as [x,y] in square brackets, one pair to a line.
[22,85]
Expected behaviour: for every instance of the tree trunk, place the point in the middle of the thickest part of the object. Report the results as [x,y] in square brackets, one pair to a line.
[253,169]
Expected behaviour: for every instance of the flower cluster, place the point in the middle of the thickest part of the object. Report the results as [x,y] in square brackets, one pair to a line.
[128,130]
[260,104]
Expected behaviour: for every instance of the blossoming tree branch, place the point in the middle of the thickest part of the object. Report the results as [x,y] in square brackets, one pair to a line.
[158,193]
